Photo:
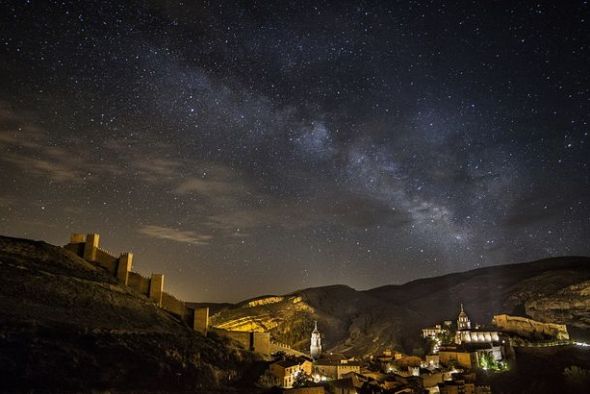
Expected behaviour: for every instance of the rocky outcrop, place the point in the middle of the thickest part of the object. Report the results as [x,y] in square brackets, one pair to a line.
[570,305]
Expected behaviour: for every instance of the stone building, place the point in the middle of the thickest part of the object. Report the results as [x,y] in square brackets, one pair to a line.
[315,349]
[285,372]
[469,355]
[465,334]
[332,369]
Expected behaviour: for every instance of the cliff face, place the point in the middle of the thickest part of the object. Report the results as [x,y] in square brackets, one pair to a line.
[348,319]
[570,305]
[68,325]
[552,290]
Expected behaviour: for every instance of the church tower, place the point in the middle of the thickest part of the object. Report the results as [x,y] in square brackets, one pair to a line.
[315,350]
[463,322]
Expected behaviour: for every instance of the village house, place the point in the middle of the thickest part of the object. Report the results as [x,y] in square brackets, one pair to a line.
[334,368]
[285,372]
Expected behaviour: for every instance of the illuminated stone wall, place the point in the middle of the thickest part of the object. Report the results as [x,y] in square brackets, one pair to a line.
[201,320]
[469,336]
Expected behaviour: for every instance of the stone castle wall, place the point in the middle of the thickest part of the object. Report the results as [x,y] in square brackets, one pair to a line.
[138,283]
[174,305]
[88,247]
[105,260]
[528,327]
[259,342]
[254,341]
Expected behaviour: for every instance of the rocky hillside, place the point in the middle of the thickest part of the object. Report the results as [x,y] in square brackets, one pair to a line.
[552,290]
[67,325]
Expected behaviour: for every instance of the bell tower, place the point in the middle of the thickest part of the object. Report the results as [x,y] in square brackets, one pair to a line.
[463,322]
[315,350]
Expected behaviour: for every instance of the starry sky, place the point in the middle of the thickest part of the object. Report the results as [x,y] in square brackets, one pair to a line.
[247,147]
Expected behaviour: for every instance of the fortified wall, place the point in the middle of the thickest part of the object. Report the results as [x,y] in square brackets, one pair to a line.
[528,327]
[259,342]
[254,341]
[88,247]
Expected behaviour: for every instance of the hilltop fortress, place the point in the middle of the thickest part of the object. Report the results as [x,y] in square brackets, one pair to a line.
[87,246]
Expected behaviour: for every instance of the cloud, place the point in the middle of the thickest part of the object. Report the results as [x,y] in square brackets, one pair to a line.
[31,149]
[36,151]
[56,171]
[156,169]
[173,234]
[205,187]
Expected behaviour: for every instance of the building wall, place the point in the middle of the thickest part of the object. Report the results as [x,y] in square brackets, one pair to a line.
[335,371]
[279,374]
[343,369]
[464,359]
[469,336]
[526,327]
[285,377]
[329,371]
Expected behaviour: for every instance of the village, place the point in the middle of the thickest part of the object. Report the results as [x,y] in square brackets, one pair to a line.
[458,350]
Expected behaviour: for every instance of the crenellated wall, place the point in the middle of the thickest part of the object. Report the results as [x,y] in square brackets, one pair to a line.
[138,283]
[88,247]
[174,305]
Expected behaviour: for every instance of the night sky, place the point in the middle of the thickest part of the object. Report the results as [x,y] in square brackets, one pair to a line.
[249,148]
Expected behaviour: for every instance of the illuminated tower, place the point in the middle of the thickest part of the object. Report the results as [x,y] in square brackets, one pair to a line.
[463,322]
[315,350]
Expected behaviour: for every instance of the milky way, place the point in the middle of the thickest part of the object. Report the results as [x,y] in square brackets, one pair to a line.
[247,148]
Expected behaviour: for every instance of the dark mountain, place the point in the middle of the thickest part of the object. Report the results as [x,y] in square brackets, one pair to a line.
[551,290]
[66,325]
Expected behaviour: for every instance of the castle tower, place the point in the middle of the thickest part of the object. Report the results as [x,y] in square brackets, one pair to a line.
[315,350]
[463,322]
[92,242]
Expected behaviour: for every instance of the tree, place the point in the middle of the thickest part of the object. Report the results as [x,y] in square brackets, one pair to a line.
[577,377]
[302,380]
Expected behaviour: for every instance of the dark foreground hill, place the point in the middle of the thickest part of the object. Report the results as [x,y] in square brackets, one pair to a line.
[67,325]
[551,290]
